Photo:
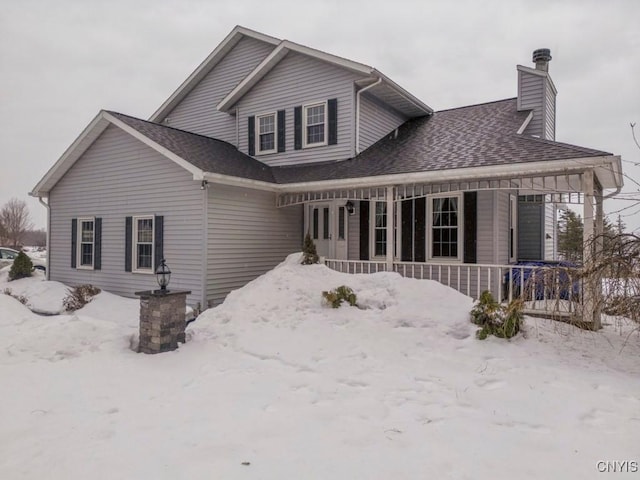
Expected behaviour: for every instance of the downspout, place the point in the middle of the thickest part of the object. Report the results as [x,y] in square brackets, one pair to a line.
[46,205]
[609,195]
[359,92]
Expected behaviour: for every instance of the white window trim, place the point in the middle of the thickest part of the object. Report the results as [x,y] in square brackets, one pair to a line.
[134,243]
[257,133]
[372,229]
[79,243]
[429,225]
[305,144]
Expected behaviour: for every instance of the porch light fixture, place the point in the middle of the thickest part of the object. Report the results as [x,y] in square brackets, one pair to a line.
[163,275]
[204,184]
[351,208]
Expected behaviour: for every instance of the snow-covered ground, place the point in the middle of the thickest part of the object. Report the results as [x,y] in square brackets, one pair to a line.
[274,385]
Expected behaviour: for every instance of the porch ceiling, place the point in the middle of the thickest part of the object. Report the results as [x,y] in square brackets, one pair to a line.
[560,188]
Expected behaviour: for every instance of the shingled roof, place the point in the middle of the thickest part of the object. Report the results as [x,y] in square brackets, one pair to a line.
[474,136]
[206,153]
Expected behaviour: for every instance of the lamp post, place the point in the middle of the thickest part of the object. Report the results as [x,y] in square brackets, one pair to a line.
[163,275]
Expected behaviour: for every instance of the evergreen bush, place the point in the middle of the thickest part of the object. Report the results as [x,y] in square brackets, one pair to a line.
[495,319]
[21,268]
[337,296]
[310,255]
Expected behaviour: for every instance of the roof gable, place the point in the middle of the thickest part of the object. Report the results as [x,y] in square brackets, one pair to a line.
[197,154]
[207,65]
[386,90]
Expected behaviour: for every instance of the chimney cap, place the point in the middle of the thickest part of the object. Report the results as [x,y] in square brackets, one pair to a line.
[541,55]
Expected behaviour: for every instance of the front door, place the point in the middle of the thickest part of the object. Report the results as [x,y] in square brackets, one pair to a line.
[321,232]
[327,223]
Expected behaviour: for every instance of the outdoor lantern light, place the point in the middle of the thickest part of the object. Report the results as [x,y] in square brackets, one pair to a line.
[351,209]
[163,275]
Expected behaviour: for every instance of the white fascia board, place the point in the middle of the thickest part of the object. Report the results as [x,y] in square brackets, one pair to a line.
[197,173]
[462,174]
[274,58]
[526,123]
[71,155]
[205,67]
[404,93]
[239,182]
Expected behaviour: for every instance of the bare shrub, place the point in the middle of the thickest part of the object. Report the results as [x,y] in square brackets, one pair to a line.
[79,296]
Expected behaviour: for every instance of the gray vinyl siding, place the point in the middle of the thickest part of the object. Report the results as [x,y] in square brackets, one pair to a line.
[197,111]
[118,176]
[535,92]
[485,243]
[531,95]
[376,121]
[247,236]
[550,113]
[299,80]
[502,230]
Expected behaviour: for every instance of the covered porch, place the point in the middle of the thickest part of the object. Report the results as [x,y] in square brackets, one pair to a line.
[471,234]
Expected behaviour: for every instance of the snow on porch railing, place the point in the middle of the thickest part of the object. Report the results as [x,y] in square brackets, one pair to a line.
[549,289]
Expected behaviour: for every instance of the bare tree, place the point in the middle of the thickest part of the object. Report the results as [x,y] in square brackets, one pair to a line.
[15,221]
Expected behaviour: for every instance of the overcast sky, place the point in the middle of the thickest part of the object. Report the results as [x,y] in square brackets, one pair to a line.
[62,61]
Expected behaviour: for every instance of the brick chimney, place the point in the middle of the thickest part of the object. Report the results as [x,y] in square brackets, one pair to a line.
[537,93]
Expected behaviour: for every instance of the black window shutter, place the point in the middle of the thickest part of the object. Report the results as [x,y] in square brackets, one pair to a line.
[420,227]
[297,128]
[128,246]
[282,138]
[332,106]
[158,226]
[251,128]
[97,239]
[407,231]
[74,241]
[364,230]
[470,226]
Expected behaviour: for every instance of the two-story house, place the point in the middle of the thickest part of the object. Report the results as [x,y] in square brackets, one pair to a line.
[267,140]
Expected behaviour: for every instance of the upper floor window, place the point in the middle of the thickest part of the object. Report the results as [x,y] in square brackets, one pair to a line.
[315,124]
[266,134]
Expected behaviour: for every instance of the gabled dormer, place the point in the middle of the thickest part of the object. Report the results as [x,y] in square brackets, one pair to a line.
[302,105]
[192,106]
[537,93]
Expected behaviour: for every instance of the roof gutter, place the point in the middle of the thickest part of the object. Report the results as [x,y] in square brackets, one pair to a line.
[573,165]
[238,181]
[360,92]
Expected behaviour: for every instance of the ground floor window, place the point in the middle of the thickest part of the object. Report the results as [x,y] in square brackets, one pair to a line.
[445,215]
[86,238]
[143,244]
[380,229]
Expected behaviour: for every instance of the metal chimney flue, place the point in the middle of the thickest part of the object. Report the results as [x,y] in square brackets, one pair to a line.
[541,57]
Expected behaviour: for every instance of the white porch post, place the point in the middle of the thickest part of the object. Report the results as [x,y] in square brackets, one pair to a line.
[390,217]
[589,285]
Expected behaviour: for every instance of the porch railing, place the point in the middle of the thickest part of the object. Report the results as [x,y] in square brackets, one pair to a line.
[552,290]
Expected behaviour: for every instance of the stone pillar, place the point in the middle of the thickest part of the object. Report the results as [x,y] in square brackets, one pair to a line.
[162,320]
